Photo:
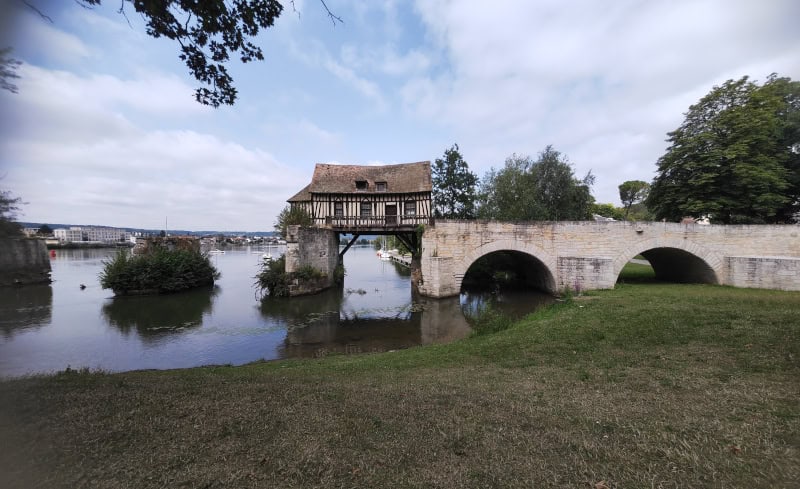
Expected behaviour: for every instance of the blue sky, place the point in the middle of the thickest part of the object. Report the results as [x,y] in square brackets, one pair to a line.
[105,130]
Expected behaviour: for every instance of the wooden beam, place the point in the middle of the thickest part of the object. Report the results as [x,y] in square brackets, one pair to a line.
[351,243]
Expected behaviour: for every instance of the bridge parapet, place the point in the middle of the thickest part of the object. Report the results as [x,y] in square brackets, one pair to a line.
[590,255]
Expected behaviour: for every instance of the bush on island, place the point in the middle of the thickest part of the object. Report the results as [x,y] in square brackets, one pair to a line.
[161,272]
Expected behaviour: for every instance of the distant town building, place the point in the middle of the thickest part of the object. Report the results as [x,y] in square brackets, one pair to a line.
[92,234]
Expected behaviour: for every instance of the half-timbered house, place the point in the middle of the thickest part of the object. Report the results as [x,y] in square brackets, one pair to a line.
[368,199]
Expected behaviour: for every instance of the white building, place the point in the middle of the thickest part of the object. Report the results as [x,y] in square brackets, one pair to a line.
[92,234]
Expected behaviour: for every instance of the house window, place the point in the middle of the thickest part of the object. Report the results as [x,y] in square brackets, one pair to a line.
[366,209]
[410,208]
[338,209]
[380,186]
[361,185]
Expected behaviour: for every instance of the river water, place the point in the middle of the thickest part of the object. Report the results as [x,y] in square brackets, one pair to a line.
[49,328]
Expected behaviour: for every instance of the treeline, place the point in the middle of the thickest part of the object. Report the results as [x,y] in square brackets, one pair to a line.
[735,159]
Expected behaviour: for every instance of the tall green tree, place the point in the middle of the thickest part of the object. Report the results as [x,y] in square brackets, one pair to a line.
[788,140]
[731,159]
[454,186]
[544,189]
[632,192]
[290,216]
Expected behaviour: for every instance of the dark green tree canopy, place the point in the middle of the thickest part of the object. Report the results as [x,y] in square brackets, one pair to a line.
[543,190]
[454,186]
[632,192]
[734,158]
[290,216]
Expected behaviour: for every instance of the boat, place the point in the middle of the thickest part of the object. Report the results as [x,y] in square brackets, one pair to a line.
[266,257]
[216,252]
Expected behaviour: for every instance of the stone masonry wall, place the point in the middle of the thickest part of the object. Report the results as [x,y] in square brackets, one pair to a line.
[23,261]
[592,252]
[317,247]
[763,272]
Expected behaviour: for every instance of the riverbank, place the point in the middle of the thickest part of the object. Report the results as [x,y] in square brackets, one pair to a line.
[647,385]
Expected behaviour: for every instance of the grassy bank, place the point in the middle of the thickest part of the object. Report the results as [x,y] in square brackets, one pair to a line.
[647,385]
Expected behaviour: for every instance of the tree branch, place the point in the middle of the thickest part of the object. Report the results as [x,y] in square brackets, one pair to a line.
[35,9]
[332,16]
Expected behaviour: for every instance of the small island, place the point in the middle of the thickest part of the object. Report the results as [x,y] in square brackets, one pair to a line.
[163,266]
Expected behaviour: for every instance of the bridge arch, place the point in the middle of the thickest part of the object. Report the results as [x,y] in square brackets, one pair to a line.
[677,260]
[538,260]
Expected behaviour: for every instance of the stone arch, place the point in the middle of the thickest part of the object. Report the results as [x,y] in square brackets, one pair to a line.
[547,261]
[697,263]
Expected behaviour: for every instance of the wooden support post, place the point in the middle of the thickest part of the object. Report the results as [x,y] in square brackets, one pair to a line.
[351,243]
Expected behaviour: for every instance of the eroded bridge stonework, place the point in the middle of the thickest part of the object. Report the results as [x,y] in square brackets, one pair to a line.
[590,255]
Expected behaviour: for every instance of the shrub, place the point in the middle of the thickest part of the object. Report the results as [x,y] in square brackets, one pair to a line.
[162,271]
[273,279]
[308,272]
[338,274]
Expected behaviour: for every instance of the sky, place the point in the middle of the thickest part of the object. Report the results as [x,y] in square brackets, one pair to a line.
[104,128]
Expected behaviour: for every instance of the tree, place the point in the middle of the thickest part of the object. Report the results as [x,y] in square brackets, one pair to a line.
[453,186]
[290,216]
[608,210]
[45,230]
[734,157]
[208,32]
[545,189]
[632,192]
[8,70]
[9,206]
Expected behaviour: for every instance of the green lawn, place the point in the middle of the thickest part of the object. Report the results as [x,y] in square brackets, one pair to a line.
[648,385]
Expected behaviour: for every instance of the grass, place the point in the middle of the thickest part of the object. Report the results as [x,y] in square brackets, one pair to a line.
[648,385]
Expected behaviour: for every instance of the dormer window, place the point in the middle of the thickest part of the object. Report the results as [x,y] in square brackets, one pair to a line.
[380,186]
[361,185]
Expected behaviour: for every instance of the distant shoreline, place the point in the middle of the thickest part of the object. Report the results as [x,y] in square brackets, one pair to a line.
[76,245]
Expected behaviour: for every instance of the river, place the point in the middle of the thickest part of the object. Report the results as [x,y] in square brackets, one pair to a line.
[48,328]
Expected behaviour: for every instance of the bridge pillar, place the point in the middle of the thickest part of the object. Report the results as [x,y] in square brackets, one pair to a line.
[437,277]
[314,251]
[579,273]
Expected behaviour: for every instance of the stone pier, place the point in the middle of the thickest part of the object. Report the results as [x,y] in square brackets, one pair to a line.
[23,261]
[314,251]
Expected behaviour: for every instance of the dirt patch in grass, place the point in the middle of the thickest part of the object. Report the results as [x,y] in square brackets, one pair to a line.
[631,390]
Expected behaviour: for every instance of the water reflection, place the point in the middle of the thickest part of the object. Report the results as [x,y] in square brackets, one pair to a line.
[25,308]
[153,317]
[358,321]
[514,303]
[47,328]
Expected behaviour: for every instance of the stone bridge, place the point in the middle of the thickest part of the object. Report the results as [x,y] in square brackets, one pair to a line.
[586,255]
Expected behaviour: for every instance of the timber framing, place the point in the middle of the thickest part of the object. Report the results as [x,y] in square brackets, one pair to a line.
[379,200]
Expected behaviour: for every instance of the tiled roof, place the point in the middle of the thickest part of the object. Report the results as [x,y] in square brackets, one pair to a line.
[302,196]
[402,178]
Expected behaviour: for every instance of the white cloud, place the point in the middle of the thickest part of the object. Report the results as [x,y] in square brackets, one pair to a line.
[602,82]
[34,36]
[69,145]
